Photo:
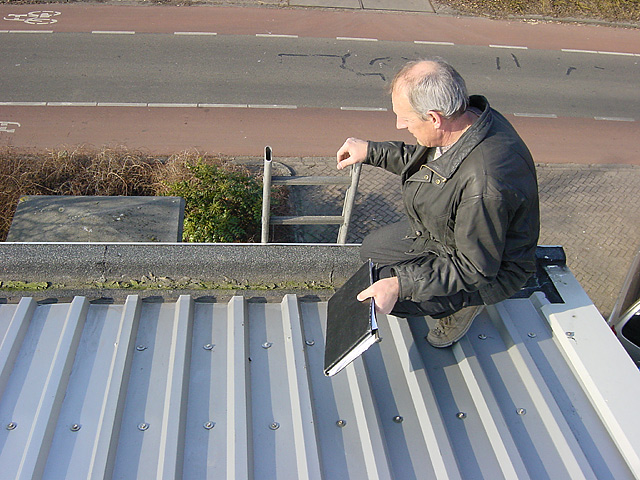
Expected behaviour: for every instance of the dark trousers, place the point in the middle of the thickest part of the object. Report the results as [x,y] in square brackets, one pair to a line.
[389,246]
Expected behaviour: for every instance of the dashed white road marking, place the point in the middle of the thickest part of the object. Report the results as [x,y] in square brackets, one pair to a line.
[616,119]
[515,47]
[576,50]
[24,104]
[72,104]
[223,105]
[172,105]
[261,106]
[285,107]
[113,32]
[358,39]
[536,115]
[27,31]
[620,53]
[599,52]
[363,109]
[429,42]
[196,33]
[275,35]
[121,104]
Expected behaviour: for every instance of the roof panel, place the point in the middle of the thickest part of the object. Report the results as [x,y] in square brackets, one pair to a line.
[153,388]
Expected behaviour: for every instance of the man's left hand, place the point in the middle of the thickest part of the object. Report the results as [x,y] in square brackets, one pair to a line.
[384,292]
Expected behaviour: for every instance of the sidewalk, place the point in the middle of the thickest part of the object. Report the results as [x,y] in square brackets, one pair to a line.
[588,209]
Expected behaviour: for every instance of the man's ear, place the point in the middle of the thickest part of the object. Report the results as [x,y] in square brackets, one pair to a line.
[435,118]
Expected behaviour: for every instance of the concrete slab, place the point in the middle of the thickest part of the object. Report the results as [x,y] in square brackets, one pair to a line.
[61,218]
[402,6]
[326,3]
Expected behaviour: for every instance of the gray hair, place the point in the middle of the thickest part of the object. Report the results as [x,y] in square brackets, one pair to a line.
[435,87]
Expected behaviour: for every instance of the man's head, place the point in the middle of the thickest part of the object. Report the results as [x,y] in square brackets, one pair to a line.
[426,95]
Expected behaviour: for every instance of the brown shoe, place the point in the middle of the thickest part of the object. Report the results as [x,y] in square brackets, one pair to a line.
[450,329]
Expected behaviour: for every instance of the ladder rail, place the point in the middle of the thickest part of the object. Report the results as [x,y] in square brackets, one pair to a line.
[342,220]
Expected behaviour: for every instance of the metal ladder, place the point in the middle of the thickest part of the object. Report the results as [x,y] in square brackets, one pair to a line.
[342,220]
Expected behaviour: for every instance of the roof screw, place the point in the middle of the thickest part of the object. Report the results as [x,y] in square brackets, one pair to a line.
[398,419]
[143,426]
[209,425]
[461,415]
[521,411]
[532,335]
[341,423]
[267,345]
[75,427]
[274,426]
[208,346]
[311,343]
[482,336]
[141,348]
[12,425]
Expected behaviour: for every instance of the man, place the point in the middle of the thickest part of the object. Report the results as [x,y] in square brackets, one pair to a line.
[470,193]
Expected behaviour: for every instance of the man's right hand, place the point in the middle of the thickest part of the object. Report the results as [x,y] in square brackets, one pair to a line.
[352,151]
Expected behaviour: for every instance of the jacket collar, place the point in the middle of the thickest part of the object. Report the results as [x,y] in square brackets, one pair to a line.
[447,164]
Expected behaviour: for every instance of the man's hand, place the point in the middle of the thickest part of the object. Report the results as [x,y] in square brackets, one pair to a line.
[384,292]
[352,151]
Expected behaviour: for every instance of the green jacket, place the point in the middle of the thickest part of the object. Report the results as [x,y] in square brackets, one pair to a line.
[474,211]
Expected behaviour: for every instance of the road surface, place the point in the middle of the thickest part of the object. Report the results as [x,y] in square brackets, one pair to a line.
[231,80]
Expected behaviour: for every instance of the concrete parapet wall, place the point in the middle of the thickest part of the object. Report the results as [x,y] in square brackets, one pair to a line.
[252,264]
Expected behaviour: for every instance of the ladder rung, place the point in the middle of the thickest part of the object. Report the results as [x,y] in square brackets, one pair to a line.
[308,220]
[294,180]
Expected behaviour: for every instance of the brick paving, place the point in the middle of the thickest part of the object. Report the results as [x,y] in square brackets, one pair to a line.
[591,210]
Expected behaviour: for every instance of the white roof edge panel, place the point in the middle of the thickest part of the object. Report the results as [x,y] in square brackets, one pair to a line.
[236,389]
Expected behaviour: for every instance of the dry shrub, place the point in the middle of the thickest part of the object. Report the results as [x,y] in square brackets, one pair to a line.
[109,172]
[81,171]
[612,10]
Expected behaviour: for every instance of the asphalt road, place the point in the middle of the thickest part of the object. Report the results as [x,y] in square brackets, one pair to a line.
[170,79]
[302,72]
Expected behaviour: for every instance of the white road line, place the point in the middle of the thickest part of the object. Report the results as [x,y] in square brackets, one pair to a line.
[121,104]
[363,109]
[113,32]
[196,33]
[288,107]
[358,39]
[616,119]
[255,106]
[28,31]
[624,54]
[536,115]
[172,105]
[71,104]
[575,50]
[516,47]
[223,105]
[275,35]
[427,42]
[23,104]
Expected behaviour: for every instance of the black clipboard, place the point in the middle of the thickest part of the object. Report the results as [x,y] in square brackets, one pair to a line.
[352,326]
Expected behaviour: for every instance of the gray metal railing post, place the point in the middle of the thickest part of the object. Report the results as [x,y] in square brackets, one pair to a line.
[349,200]
[266,194]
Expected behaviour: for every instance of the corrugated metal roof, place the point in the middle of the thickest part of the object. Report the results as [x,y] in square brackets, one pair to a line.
[170,389]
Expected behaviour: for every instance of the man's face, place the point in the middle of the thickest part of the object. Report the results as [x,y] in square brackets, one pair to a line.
[424,130]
